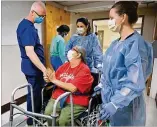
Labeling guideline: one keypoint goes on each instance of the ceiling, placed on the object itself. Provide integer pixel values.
(85, 6)
(92, 5)
(72, 3)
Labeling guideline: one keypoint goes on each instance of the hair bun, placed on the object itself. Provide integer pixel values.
(63, 28)
(135, 4)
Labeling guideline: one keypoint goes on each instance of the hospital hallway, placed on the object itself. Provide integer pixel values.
(151, 114)
(72, 45)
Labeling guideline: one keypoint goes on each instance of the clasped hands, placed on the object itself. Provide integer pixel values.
(49, 75)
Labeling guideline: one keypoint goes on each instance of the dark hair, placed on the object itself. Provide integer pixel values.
(63, 29)
(129, 8)
(96, 33)
(86, 23)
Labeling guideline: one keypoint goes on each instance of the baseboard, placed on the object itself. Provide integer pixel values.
(6, 107)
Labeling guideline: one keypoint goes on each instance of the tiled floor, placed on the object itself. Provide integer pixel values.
(151, 110)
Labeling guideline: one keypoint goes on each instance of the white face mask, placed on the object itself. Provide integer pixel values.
(80, 30)
(70, 54)
(112, 25)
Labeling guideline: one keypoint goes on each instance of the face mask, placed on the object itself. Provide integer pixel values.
(113, 27)
(38, 20)
(70, 55)
(80, 30)
(65, 34)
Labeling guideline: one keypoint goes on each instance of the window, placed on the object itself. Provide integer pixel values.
(106, 36)
(139, 24)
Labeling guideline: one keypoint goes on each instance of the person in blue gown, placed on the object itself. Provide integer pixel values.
(89, 42)
(127, 64)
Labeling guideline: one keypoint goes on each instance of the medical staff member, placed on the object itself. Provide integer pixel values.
(127, 64)
(89, 41)
(57, 49)
(32, 54)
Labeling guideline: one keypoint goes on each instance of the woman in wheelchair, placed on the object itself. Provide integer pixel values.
(73, 76)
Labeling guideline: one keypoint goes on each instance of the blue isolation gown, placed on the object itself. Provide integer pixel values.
(91, 44)
(126, 67)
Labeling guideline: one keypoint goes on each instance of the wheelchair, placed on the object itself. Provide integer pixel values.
(86, 118)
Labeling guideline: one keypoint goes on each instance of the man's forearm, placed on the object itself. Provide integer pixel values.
(67, 86)
(36, 61)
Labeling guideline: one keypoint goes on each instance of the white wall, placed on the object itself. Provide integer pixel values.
(153, 90)
(12, 13)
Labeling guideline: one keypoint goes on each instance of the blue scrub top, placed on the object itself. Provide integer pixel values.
(27, 35)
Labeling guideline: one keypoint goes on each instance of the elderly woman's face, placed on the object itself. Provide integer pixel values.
(72, 54)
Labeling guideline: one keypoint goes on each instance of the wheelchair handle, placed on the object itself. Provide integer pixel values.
(98, 92)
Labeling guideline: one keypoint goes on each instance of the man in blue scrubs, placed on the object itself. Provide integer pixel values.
(32, 54)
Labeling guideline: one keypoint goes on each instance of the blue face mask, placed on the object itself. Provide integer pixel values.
(38, 20)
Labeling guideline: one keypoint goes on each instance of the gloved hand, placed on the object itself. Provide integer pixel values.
(100, 69)
(97, 90)
(107, 111)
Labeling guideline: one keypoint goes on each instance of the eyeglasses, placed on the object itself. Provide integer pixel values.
(75, 49)
(43, 16)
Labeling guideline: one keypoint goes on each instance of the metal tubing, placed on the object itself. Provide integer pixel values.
(11, 116)
(99, 77)
(42, 102)
(42, 97)
(33, 119)
(12, 102)
(31, 113)
(32, 100)
(55, 106)
(16, 89)
(72, 110)
(89, 106)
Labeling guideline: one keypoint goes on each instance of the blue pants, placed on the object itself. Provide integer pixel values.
(37, 83)
(56, 62)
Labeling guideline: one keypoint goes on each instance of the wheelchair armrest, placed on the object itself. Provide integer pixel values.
(98, 92)
(58, 99)
(48, 86)
(71, 102)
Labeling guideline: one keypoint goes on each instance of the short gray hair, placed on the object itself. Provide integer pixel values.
(38, 3)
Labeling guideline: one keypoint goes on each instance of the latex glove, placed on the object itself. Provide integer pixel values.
(107, 111)
(100, 69)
